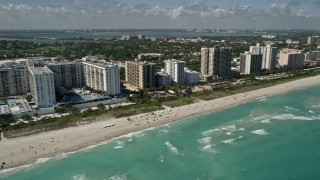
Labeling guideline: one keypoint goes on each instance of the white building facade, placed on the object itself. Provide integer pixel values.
(250, 63)
(191, 77)
(42, 88)
(269, 55)
(102, 77)
(175, 69)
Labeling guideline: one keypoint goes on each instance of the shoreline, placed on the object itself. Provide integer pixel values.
(24, 151)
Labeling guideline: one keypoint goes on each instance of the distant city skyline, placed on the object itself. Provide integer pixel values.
(164, 14)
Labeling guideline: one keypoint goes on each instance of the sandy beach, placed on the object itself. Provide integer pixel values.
(27, 150)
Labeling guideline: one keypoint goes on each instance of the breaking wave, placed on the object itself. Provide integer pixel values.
(119, 177)
(172, 148)
(260, 132)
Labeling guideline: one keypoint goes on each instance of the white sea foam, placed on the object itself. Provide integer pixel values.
(80, 177)
(119, 177)
(292, 117)
(229, 141)
(262, 99)
(172, 148)
(134, 135)
(310, 111)
(263, 117)
(42, 160)
(231, 128)
(291, 108)
(266, 121)
(209, 148)
(205, 140)
(260, 132)
(130, 140)
(118, 147)
(229, 133)
(121, 143)
(207, 133)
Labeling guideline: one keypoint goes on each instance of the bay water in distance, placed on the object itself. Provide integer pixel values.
(52, 36)
(268, 138)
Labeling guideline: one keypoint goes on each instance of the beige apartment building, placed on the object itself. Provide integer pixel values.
(140, 74)
(291, 59)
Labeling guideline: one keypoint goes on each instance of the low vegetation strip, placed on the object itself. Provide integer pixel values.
(76, 118)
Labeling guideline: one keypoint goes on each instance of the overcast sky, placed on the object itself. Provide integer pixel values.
(154, 14)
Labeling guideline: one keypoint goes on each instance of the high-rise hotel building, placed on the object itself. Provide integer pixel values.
(216, 62)
(140, 74)
(175, 69)
(102, 77)
(67, 75)
(13, 79)
(250, 63)
(41, 81)
(269, 55)
(291, 59)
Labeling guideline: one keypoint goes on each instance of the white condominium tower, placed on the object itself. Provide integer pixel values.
(216, 62)
(250, 63)
(175, 69)
(102, 77)
(41, 80)
(269, 55)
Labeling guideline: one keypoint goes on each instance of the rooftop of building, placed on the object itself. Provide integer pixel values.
(174, 60)
(100, 65)
(141, 62)
(290, 51)
(15, 106)
(61, 63)
(40, 70)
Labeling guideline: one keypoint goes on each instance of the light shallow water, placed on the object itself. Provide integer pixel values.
(274, 138)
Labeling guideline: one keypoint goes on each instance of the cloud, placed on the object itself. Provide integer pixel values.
(117, 14)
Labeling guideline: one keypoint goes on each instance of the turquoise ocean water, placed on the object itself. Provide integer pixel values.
(269, 138)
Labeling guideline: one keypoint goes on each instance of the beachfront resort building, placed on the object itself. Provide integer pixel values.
(216, 62)
(291, 59)
(175, 69)
(103, 77)
(140, 74)
(41, 81)
(67, 75)
(269, 55)
(250, 63)
(13, 79)
(191, 77)
(162, 79)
